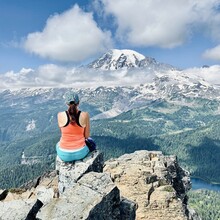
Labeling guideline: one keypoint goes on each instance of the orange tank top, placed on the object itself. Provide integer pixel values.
(72, 135)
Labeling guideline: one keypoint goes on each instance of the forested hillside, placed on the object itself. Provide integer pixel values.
(195, 142)
(206, 203)
(189, 146)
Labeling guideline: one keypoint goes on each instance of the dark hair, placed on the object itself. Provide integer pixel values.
(72, 110)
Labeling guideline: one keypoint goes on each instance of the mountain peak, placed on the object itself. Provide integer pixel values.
(126, 59)
(131, 54)
(117, 59)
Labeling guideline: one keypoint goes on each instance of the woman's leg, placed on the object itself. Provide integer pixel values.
(71, 156)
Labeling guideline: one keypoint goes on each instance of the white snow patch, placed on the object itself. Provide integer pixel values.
(108, 114)
(31, 125)
(152, 119)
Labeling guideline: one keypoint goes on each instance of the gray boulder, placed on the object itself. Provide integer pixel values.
(70, 173)
(94, 196)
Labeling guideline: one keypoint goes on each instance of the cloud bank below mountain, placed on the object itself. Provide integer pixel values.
(51, 75)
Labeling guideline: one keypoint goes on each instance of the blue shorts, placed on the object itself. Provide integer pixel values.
(68, 156)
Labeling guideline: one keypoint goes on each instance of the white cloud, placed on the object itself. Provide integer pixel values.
(211, 74)
(213, 53)
(70, 36)
(163, 23)
(52, 72)
(51, 75)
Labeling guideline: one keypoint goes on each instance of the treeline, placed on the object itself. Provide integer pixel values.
(113, 147)
(18, 175)
(206, 203)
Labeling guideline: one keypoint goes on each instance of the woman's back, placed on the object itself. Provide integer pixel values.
(72, 133)
(75, 129)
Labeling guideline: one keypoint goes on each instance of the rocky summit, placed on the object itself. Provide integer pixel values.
(153, 181)
(140, 185)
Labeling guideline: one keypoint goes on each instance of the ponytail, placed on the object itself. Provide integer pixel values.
(72, 110)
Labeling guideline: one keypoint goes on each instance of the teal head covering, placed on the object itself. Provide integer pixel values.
(71, 98)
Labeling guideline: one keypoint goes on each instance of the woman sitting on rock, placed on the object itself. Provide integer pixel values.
(75, 129)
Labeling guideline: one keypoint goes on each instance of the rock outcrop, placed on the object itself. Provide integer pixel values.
(141, 185)
(70, 173)
(155, 182)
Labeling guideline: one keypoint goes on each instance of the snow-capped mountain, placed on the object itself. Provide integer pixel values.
(167, 84)
(172, 86)
(117, 59)
(125, 59)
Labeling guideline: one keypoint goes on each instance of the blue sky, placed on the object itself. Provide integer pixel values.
(44, 34)
(18, 18)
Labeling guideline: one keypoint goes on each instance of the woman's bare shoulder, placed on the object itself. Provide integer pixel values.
(85, 114)
(84, 117)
